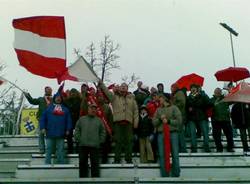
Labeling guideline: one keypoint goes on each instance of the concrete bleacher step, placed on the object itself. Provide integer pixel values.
(21, 140)
(129, 180)
(21, 162)
(17, 153)
(8, 166)
(35, 146)
(131, 170)
(19, 148)
(194, 158)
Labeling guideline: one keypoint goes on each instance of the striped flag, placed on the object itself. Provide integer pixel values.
(40, 45)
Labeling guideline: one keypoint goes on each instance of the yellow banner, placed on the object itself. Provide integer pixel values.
(29, 122)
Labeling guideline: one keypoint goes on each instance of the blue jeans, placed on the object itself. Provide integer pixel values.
(204, 129)
(41, 140)
(182, 141)
(175, 170)
(55, 144)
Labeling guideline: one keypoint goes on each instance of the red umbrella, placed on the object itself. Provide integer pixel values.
(187, 80)
(232, 74)
(240, 93)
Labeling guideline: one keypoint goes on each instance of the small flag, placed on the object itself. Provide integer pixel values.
(2, 81)
(79, 71)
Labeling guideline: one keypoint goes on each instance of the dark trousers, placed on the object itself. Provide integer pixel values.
(227, 129)
(70, 143)
(84, 151)
(123, 141)
(243, 136)
(154, 144)
(106, 149)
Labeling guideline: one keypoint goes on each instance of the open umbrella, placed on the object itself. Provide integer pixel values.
(232, 74)
(187, 80)
(240, 93)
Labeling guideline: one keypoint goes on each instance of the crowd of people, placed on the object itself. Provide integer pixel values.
(97, 121)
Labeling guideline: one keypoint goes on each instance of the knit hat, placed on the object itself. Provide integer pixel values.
(56, 95)
(144, 107)
(92, 105)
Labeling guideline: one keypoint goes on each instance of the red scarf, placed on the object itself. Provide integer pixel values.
(48, 100)
(152, 106)
(58, 110)
(167, 146)
(91, 99)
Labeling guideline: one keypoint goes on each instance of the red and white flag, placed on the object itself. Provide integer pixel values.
(40, 45)
(2, 81)
(79, 71)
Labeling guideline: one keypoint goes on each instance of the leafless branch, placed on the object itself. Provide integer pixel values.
(91, 54)
(130, 80)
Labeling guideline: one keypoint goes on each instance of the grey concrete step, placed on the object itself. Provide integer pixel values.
(8, 166)
(131, 170)
(36, 148)
(17, 153)
(38, 159)
(129, 180)
(19, 140)
(19, 148)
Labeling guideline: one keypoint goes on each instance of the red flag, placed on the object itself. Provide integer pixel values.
(1, 82)
(40, 45)
(167, 147)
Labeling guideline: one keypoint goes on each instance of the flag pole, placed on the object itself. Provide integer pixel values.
(22, 100)
(13, 84)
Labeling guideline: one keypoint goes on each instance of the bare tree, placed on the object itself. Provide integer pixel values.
(108, 56)
(77, 51)
(107, 59)
(9, 107)
(130, 80)
(91, 55)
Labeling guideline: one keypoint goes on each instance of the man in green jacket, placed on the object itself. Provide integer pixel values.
(43, 103)
(221, 121)
(90, 133)
(125, 117)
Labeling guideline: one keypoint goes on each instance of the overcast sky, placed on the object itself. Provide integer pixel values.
(161, 40)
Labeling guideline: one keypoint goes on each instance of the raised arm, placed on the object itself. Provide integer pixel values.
(105, 90)
(33, 101)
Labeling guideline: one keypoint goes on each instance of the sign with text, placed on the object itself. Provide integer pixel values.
(29, 122)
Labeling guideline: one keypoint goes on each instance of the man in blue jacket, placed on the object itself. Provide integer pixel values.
(55, 123)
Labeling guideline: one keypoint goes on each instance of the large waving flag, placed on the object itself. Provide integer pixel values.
(40, 45)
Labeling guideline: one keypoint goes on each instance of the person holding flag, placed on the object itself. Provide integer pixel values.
(106, 112)
(43, 103)
(168, 121)
(125, 117)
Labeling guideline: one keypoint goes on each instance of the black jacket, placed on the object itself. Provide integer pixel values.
(199, 104)
(145, 127)
(240, 115)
